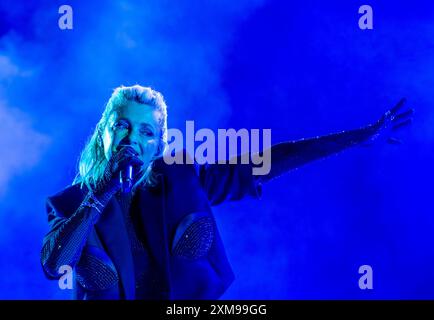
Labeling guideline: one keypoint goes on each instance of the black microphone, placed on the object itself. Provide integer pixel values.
(126, 179)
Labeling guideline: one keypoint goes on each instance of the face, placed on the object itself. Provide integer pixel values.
(136, 125)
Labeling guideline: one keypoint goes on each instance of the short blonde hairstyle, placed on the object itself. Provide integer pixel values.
(92, 162)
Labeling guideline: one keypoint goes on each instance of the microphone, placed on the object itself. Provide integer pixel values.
(126, 179)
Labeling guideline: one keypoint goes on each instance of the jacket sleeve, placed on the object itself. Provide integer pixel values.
(223, 182)
(287, 156)
(228, 182)
(64, 242)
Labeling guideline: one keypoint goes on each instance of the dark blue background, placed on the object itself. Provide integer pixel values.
(301, 69)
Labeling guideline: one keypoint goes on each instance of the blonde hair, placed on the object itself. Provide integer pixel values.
(92, 162)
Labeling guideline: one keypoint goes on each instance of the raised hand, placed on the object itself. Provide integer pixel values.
(394, 120)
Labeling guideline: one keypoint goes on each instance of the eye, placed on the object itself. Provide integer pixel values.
(121, 124)
(147, 132)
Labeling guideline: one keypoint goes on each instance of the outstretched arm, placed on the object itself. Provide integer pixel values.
(290, 155)
(235, 181)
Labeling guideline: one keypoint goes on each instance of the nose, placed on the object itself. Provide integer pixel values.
(128, 141)
(131, 139)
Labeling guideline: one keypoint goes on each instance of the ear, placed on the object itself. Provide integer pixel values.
(157, 154)
(160, 150)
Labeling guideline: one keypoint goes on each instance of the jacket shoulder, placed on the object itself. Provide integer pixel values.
(187, 168)
(68, 200)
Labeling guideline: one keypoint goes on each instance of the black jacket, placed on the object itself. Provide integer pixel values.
(178, 225)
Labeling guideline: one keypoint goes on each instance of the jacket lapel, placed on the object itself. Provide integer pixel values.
(112, 231)
(153, 216)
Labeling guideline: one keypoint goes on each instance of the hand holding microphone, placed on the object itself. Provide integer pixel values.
(120, 172)
(128, 165)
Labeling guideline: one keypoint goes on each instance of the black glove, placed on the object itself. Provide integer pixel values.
(387, 127)
(110, 183)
